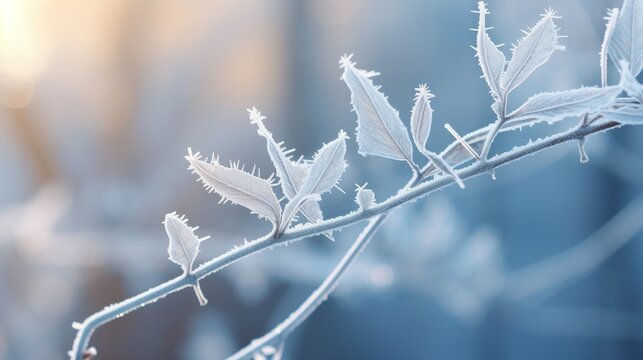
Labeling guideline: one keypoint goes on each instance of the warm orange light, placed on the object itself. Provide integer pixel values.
(23, 49)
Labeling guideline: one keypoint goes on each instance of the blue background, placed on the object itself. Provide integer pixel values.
(109, 94)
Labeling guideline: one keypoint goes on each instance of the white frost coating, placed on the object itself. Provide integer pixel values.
(465, 145)
(445, 167)
(610, 25)
(419, 186)
(239, 187)
(364, 198)
(380, 131)
(327, 167)
(291, 174)
(628, 82)
(627, 40)
(554, 106)
(184, 244)
(421, 117)
(630, 115)
(292, 208)
(533, 50)
(491, 59)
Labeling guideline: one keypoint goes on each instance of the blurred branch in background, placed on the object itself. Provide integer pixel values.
(98, 98)
(586, 255)
(581, 322)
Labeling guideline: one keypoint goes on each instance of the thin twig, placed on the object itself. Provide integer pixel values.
(87, 327)
(281, 331)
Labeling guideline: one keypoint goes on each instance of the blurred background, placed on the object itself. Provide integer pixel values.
(99, 100)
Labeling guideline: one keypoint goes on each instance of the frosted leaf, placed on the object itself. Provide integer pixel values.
(554, 106)
(629, 83)
(292, 208)
(291, 174)
(491, 59)
(327, 167)
(313, 213)
(421, 117)
(443, 166)
(627, 40)
(237, 186)
(364, 198)
(630, 115)
(610, 25)
(184, 244)
(380, 131)
(533, 50)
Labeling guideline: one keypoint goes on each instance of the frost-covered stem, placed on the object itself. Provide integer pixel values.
(492, 135)
(303, 231)
(111, 312)
(486, 147)
(581, 142)
(281, 331)
(415, 169)
(203, 301)
(320, 294)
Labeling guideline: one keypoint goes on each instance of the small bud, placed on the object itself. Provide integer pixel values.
(364, 198)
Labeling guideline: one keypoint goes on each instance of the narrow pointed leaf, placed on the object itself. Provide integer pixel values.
(554, 106)
(237, 186)
(313, 213)
(327, 167)
(421, 117)
(533, 50)
(380, 131)
(324, 173)
(629, 83)
(610, 25)
(294, 206)
(184, 244)
(491, 59)
(627, 40)
(291, 174)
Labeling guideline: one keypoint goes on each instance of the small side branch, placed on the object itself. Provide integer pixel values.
(300, 232)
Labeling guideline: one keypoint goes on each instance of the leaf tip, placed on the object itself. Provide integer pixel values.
(482, 8)
(422, 91)
(342, 135)
(345, 61)
(550, 13)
